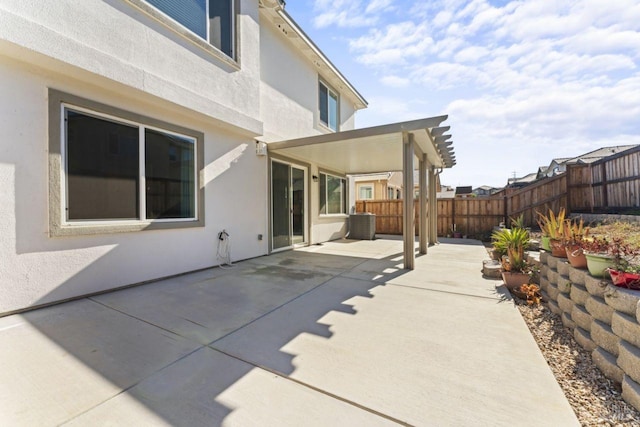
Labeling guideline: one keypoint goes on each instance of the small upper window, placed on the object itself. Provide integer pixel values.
(365, 192)
(328, 106)
(212, 20)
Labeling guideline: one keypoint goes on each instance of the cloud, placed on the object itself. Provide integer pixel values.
(528, 74)
(395, 81)
(350, 13)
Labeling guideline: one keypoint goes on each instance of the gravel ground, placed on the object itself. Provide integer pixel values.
(596, 400)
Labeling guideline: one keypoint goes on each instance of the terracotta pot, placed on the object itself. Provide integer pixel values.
(557, 249)
(624, 279)
(576, 257)
(598, 264)
(514, 280)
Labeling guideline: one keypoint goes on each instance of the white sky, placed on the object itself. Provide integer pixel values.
(523, 82)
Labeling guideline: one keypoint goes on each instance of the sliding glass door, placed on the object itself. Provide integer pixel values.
(288, 202)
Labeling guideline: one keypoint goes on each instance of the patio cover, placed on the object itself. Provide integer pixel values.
(386, 148)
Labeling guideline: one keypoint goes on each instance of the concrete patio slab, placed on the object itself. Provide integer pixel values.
(418, 356)
(208, 388)
(60, 361)
(336, 334)
(209, 309)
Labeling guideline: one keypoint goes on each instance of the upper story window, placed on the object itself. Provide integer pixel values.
(212, 20)
(328, 101)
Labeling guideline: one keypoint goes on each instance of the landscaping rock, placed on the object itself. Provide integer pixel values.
(552, 261)
(631, 392)
(564, 285)
(596, 400)
(565, 303)
(491, 269)
(624, 300)
(581, 317)
(599, 309)
(562, 267)
(544, 269)
(579, 294)
(604, 337)
(607, 364)
(544, 283)
(567, 321)
(553, 275)
(629, 360)
(544, 257)
(553, 307)
(595, 286)
(584, 339)
(626, 328)
(577, 276)
(553, 291)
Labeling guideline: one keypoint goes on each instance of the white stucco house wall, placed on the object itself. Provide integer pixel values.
(132, 134)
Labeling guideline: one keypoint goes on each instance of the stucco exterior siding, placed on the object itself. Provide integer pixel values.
(121, 55)
(115, 40)
(37, 269)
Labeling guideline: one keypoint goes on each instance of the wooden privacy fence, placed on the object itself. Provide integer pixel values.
(607, 185)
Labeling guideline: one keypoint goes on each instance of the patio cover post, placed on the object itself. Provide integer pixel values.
(408, 222)
(423, 227)
(433, 207)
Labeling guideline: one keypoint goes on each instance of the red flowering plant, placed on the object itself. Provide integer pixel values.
(626, 259)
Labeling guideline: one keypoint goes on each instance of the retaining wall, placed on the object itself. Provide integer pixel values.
(605, 320)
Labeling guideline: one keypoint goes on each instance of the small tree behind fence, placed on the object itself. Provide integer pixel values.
(610, 184)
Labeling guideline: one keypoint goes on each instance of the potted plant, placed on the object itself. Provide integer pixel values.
(552, 227)
(515, 268)
(626, 265)
(503, 237)
(574, 234)
(600, 254)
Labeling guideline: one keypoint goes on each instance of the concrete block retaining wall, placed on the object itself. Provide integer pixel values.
(605, 320)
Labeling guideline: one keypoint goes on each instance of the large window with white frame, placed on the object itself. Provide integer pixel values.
(333, 194)
(211, 20)
(328, 104)
(114, 171)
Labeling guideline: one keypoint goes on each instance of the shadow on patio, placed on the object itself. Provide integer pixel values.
(326, 335)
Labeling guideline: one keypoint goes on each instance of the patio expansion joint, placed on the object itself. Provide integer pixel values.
(443, 292)
(272, 310)
(124, 390)
(314, 388)
(142, 320)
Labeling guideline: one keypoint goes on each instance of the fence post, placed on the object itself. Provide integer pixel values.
(605, 195)
(506, 210)
(568, 174)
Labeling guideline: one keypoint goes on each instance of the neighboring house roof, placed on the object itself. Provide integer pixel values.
(464, 190)
(372, 176)
(308, 48)
(446, 194)
(599, 154)
(522, 181)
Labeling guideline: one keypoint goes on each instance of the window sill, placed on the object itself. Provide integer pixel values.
(80, 229)
(325, 128)
(183, 32)
(333, 216)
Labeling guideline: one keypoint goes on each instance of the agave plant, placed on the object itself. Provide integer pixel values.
(506, 238)
(574, 232)
(552, 225)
